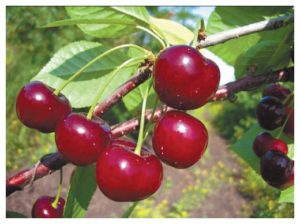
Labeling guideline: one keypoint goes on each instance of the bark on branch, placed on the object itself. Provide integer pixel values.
(221, 37)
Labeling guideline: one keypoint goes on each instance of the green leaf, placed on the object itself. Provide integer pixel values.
(132, 15)
(68, 22)
(82, 90)
(271, 44)
(12, 214)
(174, 32)
(82, 187)
(133, 100)
(287, 195)
(243, 147)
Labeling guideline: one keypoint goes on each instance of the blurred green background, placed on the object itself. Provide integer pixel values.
(29, 48)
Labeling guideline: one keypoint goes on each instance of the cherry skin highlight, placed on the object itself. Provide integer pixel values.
(179, 139)
(123, 175)
(37, 107)
(183, 78)
(43, 208)
(265, 142)
(80, 140)
(276, 168)
(270, 113)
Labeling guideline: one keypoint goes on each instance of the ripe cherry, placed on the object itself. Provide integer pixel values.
(123, 175)
(276, 90)
(179, 139)
(265, 142)
(183, 78)
(270, 113)
(276, 168)
(39, 108)
(289, 126)
(43, 208)
(80, 140)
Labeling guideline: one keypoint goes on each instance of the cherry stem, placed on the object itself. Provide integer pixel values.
(159, 33)
(129, 211)
(288, 116)
(56, 200)
(153, 35)
(59, 89)
(139, 144)
(131, 61)
(151, 117)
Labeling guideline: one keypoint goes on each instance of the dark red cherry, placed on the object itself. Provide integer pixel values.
(276, 90)
(290, 181)
(276, 168)
(179, 139)
(183, 78)
(270, 113)
(37, 107)
(80, 140)
(123, 175)
(289, 126)
(43, 208)
(265, 142)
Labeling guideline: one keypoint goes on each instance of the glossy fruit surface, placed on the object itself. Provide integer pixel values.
(80, 140)
(179, 139)
(43, 208)
(265, 142)
(289, 126)
(276, 168)
(123, 175)
(270, 113)
(277, 91)
(37, 107)
(183, 78)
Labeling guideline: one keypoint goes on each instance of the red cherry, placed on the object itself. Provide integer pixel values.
(122, 175)
(43, 208)
(179, 139)
(80, 140)
(265, 142)
(276, 169)
(289, 126)
(37, 107)
(276, 90)
(183, 78)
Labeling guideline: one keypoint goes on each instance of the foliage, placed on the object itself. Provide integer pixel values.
(260, 52)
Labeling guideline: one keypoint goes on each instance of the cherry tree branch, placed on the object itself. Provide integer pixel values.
(141, 76)
(221, 37)
(55, 161)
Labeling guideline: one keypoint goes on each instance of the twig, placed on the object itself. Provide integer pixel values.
(221, 37)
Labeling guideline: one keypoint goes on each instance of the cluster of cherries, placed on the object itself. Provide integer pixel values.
(183, 80)
(274, 111)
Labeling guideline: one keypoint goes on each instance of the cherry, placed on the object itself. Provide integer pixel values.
(270, 113)
(183, 78)
(179, 139)
(123, 175)
(276, 168)
(276, 90)
(289, 126)
(80, 140)
(37, 107)
(265, 142)
(43, 208)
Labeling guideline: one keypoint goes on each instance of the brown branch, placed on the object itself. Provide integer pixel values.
(55, 161)
(142, 75)
(221, 37)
